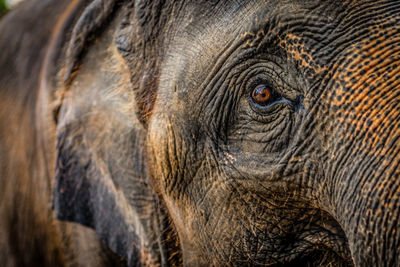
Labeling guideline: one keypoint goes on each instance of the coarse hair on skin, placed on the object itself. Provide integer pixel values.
(140, 41)
(96, 14)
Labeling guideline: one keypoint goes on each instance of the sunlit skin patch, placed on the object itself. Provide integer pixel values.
(364, 108)
(367, 89)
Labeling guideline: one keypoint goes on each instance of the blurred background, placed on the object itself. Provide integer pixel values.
(6, 4)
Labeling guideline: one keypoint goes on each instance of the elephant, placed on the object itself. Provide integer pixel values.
(200, 133)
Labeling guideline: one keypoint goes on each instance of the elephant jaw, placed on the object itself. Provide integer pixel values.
(371, 222)
(366, 204)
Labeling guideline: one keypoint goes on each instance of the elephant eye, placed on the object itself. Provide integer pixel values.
(264, 95)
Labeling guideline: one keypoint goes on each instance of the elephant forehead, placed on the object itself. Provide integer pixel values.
(308, 33)
(216, 41)
(198, 44)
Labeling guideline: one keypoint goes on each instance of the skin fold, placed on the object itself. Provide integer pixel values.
(200, 133)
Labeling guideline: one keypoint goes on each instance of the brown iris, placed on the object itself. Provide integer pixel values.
(262, 94)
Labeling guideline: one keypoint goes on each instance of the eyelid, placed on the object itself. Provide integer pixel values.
(266, 114)
(264, 109)
(270, 73)
(279, 100)
(264, 75)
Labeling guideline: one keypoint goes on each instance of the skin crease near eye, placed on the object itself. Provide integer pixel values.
(264, 96)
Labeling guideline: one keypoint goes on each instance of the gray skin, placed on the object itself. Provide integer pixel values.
(139, 120)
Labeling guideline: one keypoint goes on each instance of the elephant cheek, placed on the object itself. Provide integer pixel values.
(162, 151)
(158, 151)
(370, 216)
(366, 112)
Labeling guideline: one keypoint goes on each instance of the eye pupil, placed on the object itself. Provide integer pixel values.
(262, 94)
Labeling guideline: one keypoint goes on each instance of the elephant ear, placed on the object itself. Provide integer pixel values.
(101, 178)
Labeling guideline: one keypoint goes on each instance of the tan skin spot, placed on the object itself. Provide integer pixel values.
(292, 44)
(300, 53)
(253, 39)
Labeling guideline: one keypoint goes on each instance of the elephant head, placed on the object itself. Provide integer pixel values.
(229, 132)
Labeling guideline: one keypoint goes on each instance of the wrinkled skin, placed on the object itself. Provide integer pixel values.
(138, 119)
